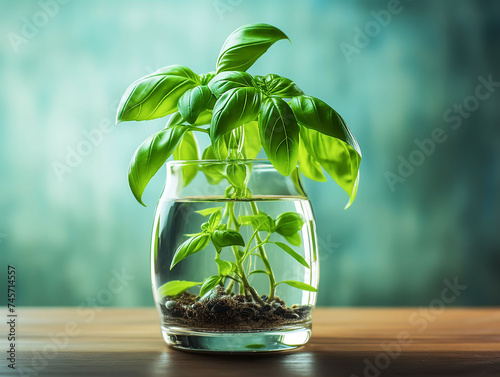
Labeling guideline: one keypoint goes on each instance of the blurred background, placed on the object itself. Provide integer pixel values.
(418, 82)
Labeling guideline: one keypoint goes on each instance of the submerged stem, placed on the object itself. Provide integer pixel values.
(241, 271)
(263, 256)
(230, 286)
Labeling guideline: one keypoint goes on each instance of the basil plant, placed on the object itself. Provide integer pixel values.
(241, 114)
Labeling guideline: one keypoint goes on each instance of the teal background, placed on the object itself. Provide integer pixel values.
(66, 234)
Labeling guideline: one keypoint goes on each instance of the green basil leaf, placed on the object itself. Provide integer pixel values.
(234, 266)
(308, 165)
(259, 81)
(207, 77)
(251, 141)
(221, 147)
(338, 158)
(214, 219)
(294, 239)
(203, 119)
(208, 153)
(245, 45)
(208, 211)
(258, 222)
(214, 173)
(175, 119)
(279, 135)
(156, 95)
(237, 175)
(270, 221)
(233, 109)
(225, 81)
(258, 272)
(278, 86)
(228, 237)
(187, 150)
(299, 285)
(288, 224)
(150, 156)
(224, 267)
(190, 246)
(193, 102)
(209, 284)
(174, 287)
(315, 114)
(293, 253)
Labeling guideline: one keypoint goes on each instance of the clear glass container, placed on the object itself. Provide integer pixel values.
(234, 257)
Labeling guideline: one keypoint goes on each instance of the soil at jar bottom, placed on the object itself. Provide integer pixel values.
(220, 311)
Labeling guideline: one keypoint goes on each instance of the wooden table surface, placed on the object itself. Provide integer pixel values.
(345, 342)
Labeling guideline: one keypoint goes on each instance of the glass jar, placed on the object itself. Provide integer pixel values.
(234, 258)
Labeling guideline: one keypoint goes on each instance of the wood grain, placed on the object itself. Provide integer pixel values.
(345, 342)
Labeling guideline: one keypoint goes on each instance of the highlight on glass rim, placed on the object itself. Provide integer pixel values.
(240, 256)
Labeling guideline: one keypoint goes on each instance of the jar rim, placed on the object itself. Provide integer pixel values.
(288, 186)
(223, 162)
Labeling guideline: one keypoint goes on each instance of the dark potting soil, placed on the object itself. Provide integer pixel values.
(219, 311)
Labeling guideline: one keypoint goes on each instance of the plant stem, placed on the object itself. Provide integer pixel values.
(261, 244)
(198, 129)
(241, 270)
(246, 252)
(230, 286)
(246, 284)
(263, 256)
